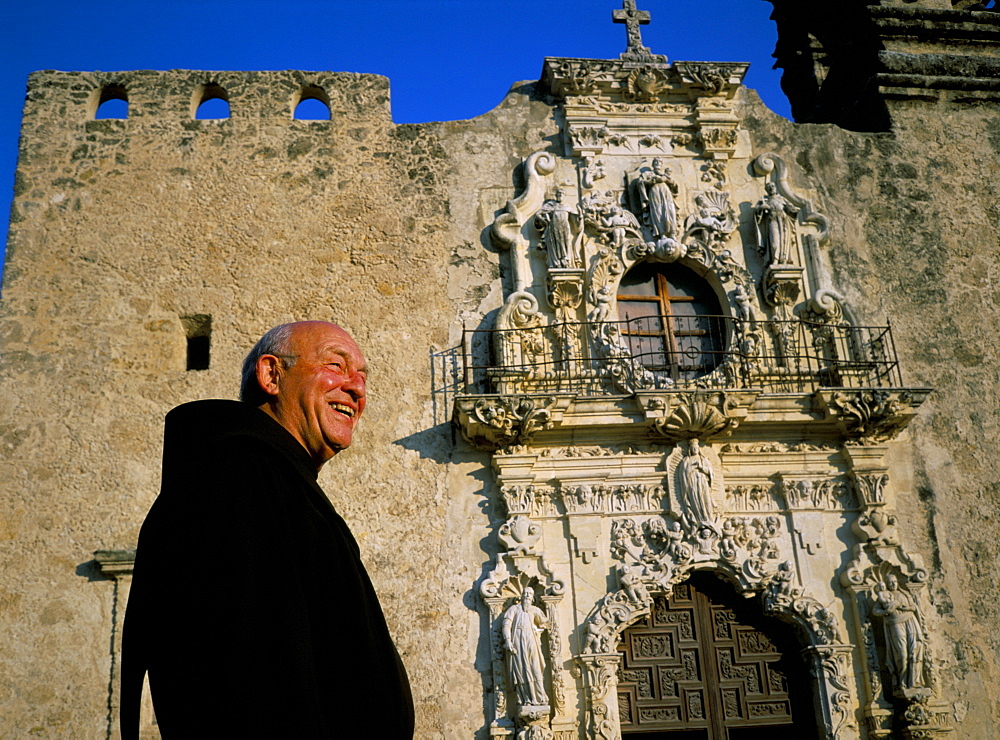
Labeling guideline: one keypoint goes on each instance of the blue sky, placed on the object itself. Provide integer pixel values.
(445, 59)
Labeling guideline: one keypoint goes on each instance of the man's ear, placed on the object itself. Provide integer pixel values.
(269, 374)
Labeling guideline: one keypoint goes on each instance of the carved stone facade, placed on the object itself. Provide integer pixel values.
(772, 432)
(747, 467)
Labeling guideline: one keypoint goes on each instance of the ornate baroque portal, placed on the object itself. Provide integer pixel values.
(742, 425)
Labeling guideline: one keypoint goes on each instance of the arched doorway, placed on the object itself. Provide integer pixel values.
(707, 665)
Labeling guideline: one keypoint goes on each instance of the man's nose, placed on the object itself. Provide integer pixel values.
(355, 385)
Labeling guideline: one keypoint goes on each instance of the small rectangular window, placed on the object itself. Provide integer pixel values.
(198, 331)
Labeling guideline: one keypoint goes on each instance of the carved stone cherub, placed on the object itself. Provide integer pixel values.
(714, 220)
(618, 222)
(595, 640)
(744, 302)
(631, 581)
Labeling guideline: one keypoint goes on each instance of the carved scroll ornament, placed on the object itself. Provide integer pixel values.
(498, 422)
(871, 416)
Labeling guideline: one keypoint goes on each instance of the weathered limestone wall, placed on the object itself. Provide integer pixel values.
(121, 228)
(915, 226)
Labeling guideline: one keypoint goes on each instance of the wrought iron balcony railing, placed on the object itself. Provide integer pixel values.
(674, 352)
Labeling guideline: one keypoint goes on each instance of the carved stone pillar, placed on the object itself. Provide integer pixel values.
(117, 565)
(500, 724)
(781, 286)
(565, 294)
(600, 681)
(830, 665)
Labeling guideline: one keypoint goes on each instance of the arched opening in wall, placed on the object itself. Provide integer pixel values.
(211, 102)
(112, 102)
(706, 664)
(672, 320)
(313, 104)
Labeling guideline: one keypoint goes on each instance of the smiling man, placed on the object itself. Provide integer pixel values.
(250, 607)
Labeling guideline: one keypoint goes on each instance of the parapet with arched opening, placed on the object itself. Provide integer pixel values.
(304, 111)
(203, 96)
(109, 98)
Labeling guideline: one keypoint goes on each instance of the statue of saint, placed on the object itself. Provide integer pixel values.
(656, 190)
(904, 637)
(774, 217)
(554, 221)
(695, 478)
(523, 624)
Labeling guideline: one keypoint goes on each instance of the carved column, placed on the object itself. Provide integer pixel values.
(117, 565)
(600, 673)
(500, 724)
(565, 294)
(830, 665)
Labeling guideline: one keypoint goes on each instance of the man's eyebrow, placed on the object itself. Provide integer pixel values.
(346, 356)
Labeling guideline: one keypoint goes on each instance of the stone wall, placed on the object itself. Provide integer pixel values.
(121, 228)
(916, 240)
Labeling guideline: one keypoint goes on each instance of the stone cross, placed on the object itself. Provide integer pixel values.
(632, 19)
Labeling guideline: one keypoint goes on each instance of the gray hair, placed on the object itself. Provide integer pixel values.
(276, 342)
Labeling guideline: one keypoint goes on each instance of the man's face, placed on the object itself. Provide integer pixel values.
(321, 397)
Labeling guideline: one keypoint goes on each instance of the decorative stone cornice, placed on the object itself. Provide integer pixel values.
(714, 77)
(498, 422)
(871, 416)
(645, 82)
(115, 563)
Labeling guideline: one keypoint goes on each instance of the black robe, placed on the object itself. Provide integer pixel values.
(250, 607)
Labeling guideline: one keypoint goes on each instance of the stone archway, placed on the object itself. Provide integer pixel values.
(706, 663)
(796, 622)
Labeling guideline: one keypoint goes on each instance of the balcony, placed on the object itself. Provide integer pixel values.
(667, 378)
(675, 353)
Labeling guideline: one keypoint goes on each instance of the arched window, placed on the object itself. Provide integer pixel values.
(111, 103)
(707, 664)
(313, 104)
(212, 102)
(672, 320)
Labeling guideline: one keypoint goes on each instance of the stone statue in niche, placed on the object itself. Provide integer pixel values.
(654, 193)
(774, 217)
(695, 478)
(555, 221)
(523, 624)
(904, 637)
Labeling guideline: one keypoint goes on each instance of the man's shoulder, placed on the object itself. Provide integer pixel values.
(234, 431)
(212, 413)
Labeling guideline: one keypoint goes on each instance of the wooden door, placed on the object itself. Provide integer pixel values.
(706, 665)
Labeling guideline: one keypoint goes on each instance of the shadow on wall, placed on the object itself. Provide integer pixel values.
(436, 443)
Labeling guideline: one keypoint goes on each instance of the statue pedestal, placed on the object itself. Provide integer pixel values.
(533, 712)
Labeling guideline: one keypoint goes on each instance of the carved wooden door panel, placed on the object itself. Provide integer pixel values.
(698, 667)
